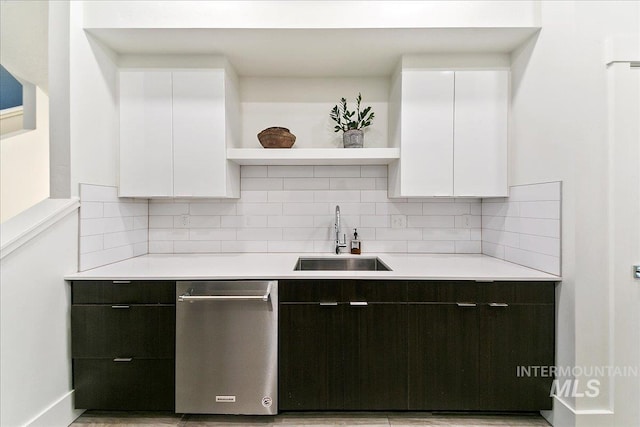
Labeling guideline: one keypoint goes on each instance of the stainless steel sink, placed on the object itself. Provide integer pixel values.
(341, 264)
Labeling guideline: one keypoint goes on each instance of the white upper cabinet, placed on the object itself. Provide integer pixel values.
(146, 145)
(451, 127)
(480, 133)
(174, 130)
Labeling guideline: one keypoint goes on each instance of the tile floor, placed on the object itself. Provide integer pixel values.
(395, 419)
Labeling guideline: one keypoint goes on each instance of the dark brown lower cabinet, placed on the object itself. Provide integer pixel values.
(137, 384)
(345, 351)
(510, 337)
(123, 345)
(467, 340)
(423, 345)
(444, 357)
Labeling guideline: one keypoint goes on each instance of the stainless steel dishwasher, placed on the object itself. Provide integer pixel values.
(227, 347)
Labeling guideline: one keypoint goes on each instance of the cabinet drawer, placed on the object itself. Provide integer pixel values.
(118, 331)
(444, 292)
(123, 291)
(374, 290)
(310, 290)
(134, 385)
(517, 292)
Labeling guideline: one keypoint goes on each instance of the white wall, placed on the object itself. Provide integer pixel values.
(559, 132)
(24, 164)
(35, 349)
(94, 123)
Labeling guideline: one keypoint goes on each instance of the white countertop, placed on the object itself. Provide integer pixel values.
(280, 266)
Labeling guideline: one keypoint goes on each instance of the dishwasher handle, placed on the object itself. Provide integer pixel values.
(191, 298)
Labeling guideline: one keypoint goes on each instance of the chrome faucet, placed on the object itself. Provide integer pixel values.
(339, 243)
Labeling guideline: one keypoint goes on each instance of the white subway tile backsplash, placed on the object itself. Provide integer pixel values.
(306, 184)
(290, 246)
(336, 196)
(550, 210)
(374, 171)
(168, 234)
(450, 234)
(197, 221)
(261, 184)
(396, 208)
(468, 247)
(450, 208)
(238, 246)
(212, 234)
(290, 171)
(167, 208)
(244, 221)
(290, 221)
(161, 221)
(259, 234)
(111, 229)
(398, 234)
(255, 171)
(254, 196)
(161, 247)
(92, 210)
(259, 209)
(192, 247)
(431, 247)
(290, 196)
(291, 208)
(525, 228)
(210, 208)
(352, 183)
(337, 171)
(435, 221)
(91, 243)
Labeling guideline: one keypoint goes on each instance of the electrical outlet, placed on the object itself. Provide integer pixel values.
(184, 220)
(398, 221)
(466, 220)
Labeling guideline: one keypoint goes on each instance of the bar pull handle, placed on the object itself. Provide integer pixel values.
(191, 298)
(121, 306)
(358, 303)
(123, 359)
(121, 282)
(498, 304)
(328, 304)
(466, 304)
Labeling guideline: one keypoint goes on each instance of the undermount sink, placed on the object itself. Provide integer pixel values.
(341, 264)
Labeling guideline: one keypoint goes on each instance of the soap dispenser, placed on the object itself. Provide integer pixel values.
(355, 243)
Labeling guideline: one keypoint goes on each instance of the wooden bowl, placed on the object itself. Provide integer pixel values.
(276, 137)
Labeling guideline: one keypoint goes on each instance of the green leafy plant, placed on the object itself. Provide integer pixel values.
(349, 120)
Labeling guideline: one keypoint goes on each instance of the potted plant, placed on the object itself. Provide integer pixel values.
(351, 122)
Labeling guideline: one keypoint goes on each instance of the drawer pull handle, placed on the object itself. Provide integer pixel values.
(120, 306)
(328, 304)
(466, 304)
(121, 282)
(358, 303)
(498, 304)
(123, 359)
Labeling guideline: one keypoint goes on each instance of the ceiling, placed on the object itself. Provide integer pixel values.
(313, 52)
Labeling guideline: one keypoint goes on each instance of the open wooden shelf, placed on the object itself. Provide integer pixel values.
(313, 156)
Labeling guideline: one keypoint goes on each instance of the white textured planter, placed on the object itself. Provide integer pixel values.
(353, 138)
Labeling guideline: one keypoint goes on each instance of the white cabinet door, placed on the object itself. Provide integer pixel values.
(480, 135)
(199, 146)
(146, 159)
(426, 151)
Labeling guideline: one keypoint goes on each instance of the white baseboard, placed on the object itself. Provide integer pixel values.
(563, 415)
(60, 413)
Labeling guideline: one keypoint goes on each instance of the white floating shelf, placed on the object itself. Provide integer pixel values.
(313, 156)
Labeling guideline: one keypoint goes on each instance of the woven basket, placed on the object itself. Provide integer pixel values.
(276, 137)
